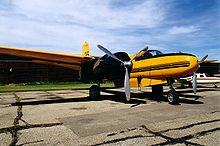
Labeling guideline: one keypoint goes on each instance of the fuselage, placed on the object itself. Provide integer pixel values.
(155, 68)
(167, 65)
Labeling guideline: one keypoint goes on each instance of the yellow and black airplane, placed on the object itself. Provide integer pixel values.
(146, 68)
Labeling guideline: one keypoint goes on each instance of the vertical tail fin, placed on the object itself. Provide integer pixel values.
(85, 49)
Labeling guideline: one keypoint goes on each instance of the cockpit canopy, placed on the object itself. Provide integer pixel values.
(149, 54)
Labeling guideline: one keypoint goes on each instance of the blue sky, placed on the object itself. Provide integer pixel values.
(191, 26)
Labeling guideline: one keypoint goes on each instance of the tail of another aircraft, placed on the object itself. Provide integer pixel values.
(85, 50)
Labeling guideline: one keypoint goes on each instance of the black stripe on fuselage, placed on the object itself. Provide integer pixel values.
(162, 66)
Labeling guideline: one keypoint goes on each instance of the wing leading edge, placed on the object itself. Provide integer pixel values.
(58, 59)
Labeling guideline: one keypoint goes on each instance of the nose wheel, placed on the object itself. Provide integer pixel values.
(172, 95)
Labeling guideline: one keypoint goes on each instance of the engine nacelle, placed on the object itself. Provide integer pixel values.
(86, 73)
(108, 68)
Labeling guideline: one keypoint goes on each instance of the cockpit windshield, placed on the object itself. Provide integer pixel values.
(155, 52)
(149, 54)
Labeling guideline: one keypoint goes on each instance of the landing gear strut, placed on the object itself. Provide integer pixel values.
(172, 95)
(157, 91)
(94, 92)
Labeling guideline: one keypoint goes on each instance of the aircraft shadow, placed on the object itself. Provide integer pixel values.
(51, 101)
(211, 88)
(149, 96)
(117, 96)
(198, 90)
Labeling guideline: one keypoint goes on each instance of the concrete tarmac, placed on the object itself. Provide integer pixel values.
(70, 117)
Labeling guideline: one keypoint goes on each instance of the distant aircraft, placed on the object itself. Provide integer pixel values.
(146, 68)
(201, 78)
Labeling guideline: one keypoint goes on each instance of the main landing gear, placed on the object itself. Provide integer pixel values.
(157, 91)
(94, 92)
(172, 95)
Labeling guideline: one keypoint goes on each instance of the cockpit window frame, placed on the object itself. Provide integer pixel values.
(149, 54)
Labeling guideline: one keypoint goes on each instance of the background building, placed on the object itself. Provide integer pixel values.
(19, 70)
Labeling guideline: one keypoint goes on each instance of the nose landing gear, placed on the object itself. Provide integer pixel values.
(172, 95)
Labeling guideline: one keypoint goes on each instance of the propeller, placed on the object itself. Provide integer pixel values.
(194, 83)
(126, 64)
(203, 59)
(109, 53)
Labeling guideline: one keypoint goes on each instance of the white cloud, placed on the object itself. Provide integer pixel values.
(213, 53)
(93, 13)
(183, 29)
(63, 26)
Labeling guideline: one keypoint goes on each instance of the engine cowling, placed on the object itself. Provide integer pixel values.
(109, 68)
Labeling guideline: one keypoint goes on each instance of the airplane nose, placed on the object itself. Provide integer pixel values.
(194, 64)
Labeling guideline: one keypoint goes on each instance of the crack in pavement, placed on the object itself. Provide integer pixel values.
(169, 140)
(14, 129)
(191, 125)
(183, 139)
(120, 139)
(123, 131)
(23, 127)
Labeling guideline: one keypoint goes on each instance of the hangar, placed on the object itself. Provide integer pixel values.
(15, 69)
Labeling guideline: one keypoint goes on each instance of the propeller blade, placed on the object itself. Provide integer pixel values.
(194, 83)
(127, 85)
(204, 58)
(126, 64)
(140, 53)
(108, 53)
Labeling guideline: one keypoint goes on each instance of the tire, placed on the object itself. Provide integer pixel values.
(173, 97)
(94, 92)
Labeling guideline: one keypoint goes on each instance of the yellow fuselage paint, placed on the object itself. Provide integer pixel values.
(156, 70)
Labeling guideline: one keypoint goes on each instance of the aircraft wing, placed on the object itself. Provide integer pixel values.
(64, 60)
(209, 61)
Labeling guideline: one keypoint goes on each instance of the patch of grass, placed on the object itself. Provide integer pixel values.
(48, 86)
